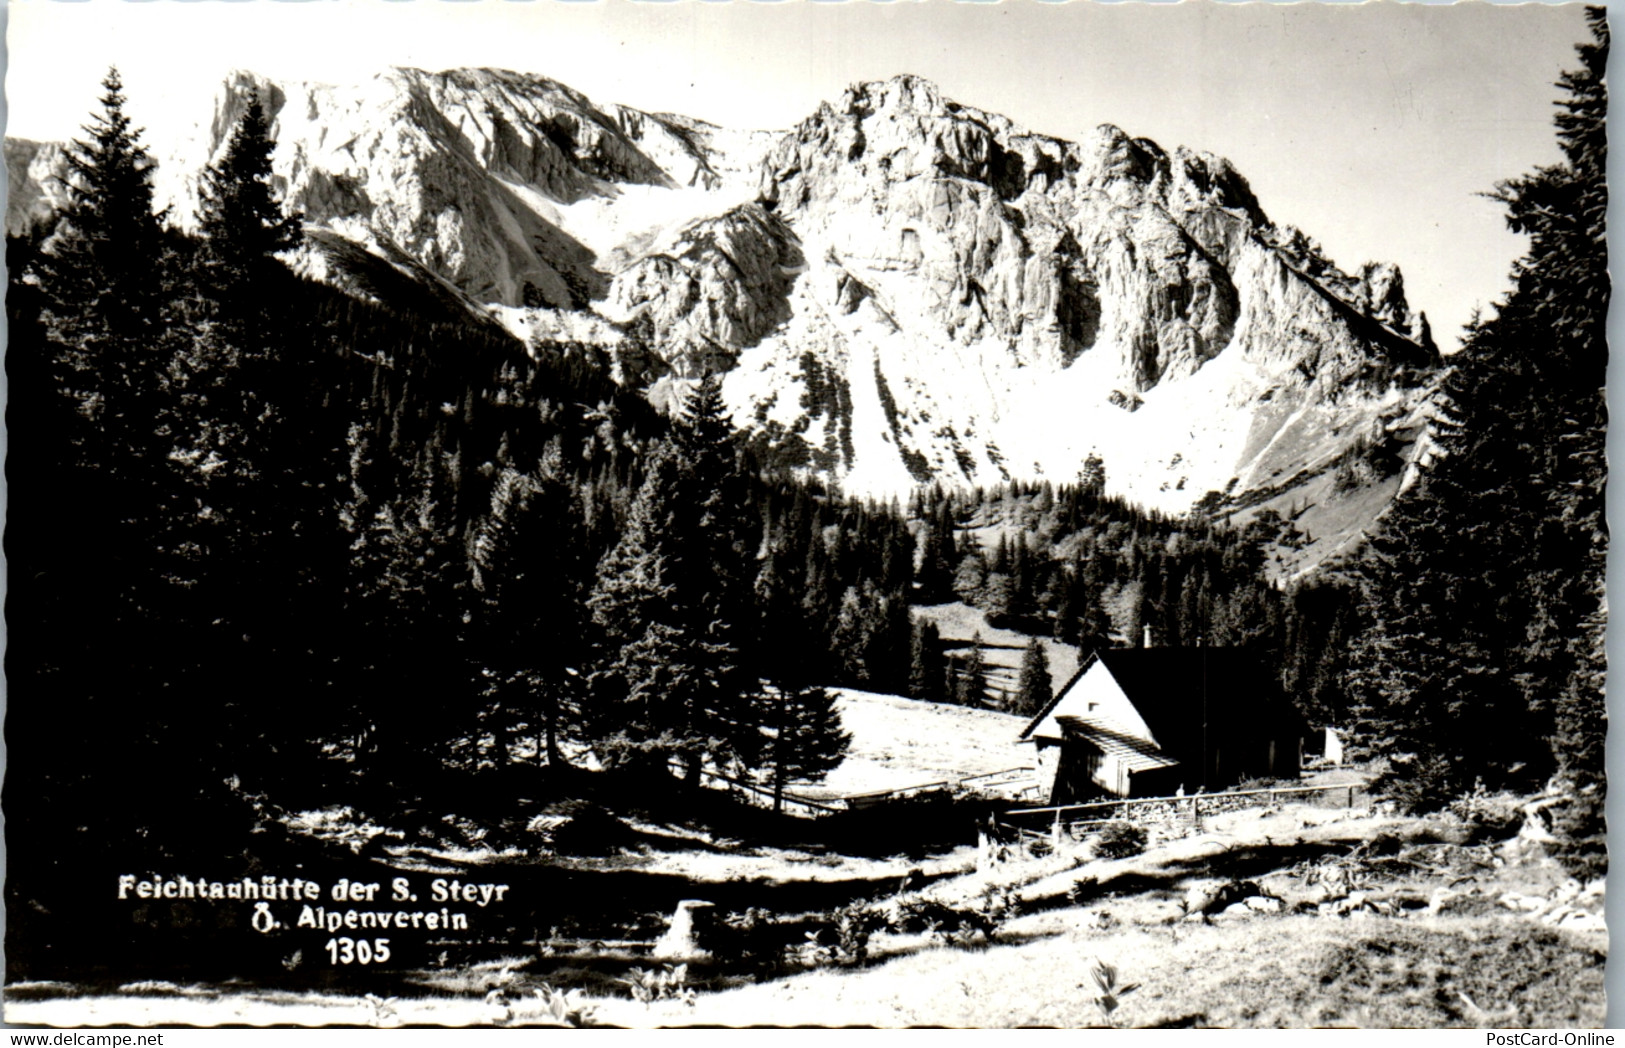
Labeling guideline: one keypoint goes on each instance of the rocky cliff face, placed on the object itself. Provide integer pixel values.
(900, 289)
(1002, 304)
(469, 173)
(33, 172)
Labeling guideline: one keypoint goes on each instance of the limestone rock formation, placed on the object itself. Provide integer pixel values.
(1003, 304)
(33, 172)
(900, 289)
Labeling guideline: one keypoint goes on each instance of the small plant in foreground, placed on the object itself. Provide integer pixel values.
(659, 984)
(383, 1010)
(845, 939)
(749, 939)
(1111, 994)
(566, 1008)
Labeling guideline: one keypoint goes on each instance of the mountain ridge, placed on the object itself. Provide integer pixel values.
(900, 288)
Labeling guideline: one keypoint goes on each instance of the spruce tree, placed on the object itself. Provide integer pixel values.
(530, 615)
(113, 567)
(927, 666)
(714, 547)
(806, 740)
(674, 603)
(849, 640)
(404, 610)
(1033, 691)
(102, 260)
(938, 557)
(243, 407)
(239, 213)
(103, 272)
(103, 275)
(784, 627)
(971, 689)
(635, 717)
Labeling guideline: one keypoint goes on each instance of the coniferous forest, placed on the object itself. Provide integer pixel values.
(268, 539)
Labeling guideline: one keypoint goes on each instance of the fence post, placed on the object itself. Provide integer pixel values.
(1351, 795)
(1055, 835)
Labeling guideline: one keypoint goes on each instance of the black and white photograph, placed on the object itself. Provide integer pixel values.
(661, 513)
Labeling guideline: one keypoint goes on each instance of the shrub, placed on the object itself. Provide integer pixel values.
(1495, 815)
(997, 905)
(1119, 840)
(1582, 830)
(579, 827)
(1419, 784)
(746, 939)
(843, 937)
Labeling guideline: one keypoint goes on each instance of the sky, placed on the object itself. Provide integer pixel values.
(1373, 127)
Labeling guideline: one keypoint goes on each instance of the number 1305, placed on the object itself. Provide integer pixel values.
(346, 950)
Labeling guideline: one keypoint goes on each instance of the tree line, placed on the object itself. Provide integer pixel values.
(1073, 564)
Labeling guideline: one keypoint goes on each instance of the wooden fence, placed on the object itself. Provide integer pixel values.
(762, 796)
(796, 804)
(1189, 807)
(986, 780)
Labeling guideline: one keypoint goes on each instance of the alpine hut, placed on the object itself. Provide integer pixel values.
(1149, 722)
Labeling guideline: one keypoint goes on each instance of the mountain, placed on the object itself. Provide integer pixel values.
(993, 302)
(32, 173)
(900, 289)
